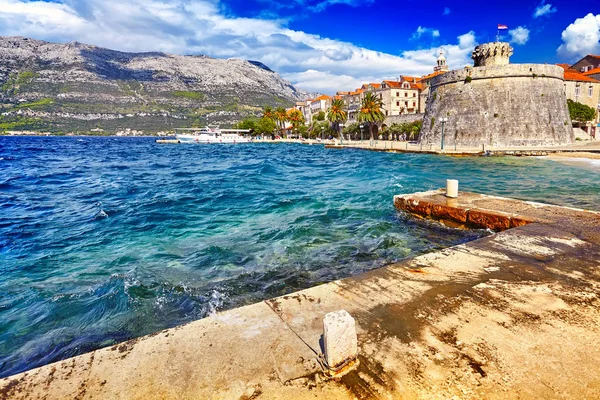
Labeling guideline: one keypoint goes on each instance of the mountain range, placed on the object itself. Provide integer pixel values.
(78, 87)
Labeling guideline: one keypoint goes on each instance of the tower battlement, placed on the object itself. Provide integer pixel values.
(495, 53)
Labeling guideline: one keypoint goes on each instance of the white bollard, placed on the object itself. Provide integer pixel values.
(339, 339)
(452, 188)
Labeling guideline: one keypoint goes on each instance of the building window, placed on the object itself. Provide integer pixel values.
(576, 90)
(590, 91)
(406, 104)
(397, 94)
(414, 94)
(414, 104)
(405, 94)
(397, 104)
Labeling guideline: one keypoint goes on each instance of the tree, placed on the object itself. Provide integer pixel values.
(320, 116)
(296, 118)
(336, 114)
(351, 130)
(268, 112)
(321, 128)
(280, 117)
(580, 112)
(248, 123)
(370, 111)
(265, 126)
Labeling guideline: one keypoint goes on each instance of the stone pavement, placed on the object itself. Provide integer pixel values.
(515, 314)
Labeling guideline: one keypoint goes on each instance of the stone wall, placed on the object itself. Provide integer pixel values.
(402, 119)
(499, 106)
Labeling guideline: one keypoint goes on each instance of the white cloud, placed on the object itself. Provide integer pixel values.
(543, 9)
(580, 38)
(519, 35)
(311, 62)
(446, 11)
(421, 30)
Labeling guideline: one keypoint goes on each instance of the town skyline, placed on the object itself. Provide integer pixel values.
(316, 45)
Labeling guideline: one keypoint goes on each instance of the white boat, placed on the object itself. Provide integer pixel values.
(211, 134)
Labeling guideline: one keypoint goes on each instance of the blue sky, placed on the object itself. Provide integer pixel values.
(319, 45)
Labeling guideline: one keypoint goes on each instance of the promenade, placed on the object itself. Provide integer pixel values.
(413, 147)
(511, 315)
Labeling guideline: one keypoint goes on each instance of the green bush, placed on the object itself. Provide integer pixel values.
(580, 112)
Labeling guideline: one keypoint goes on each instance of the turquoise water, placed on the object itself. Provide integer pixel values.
(105, 239)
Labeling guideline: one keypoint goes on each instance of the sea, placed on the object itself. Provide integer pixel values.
(103, 239)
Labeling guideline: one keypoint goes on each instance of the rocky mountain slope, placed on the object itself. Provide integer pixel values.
(79, 87)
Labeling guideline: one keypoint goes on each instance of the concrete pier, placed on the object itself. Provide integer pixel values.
(512, 315)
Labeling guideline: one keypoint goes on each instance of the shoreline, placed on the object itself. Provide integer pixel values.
(489, 318)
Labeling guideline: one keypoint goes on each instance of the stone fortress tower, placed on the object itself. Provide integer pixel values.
(497, 104)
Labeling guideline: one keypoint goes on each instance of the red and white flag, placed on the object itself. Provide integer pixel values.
(502, 26)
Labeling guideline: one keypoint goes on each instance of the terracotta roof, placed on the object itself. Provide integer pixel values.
(565, 66)
(434, 74)
(398, 85)
(375, 85)
(392, 84)
(574, 75)
(408, 78)
(571, 75)
(323, 97)
(338, 97)
(592, 72)
(342, 93)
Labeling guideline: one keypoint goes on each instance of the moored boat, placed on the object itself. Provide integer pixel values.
(211, 134)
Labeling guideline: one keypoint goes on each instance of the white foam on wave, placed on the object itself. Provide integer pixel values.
(101, 214)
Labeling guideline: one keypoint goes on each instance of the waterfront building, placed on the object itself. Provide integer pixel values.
(583, 89)
(321, 103)
(353, 101)
(400, 97)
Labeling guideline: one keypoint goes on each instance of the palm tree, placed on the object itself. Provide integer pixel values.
(280, 116)
(268, 112)
(370, 111)
(336, 114)
(296, 118)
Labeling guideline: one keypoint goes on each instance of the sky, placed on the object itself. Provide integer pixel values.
(318, 45)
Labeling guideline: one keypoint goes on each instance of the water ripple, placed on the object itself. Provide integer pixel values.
(105, 239)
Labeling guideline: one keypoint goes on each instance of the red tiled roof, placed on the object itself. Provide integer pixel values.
(592, 72)
(398, 85)
(393, 84)
(323, 97)
(375, 85)
(408, 78)
(565, 66)
(573, 75)
(434, 74)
